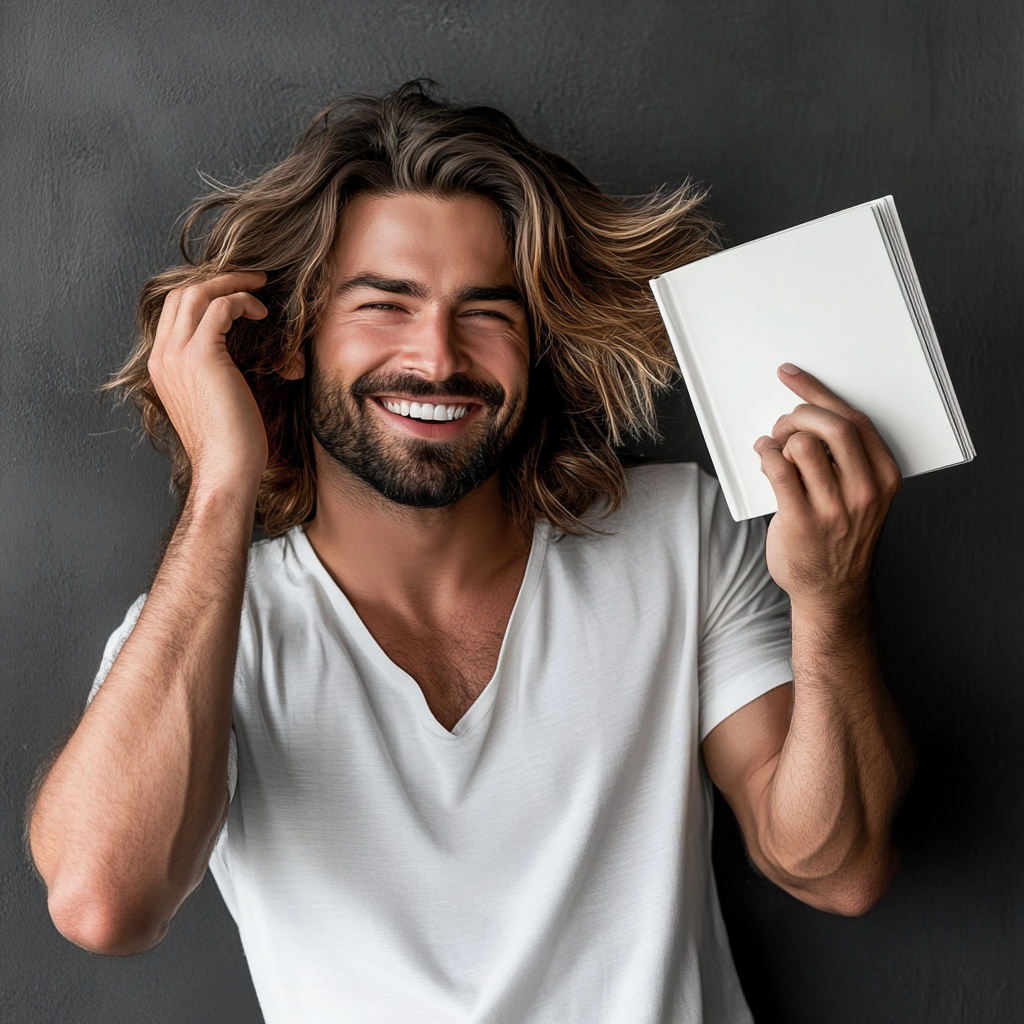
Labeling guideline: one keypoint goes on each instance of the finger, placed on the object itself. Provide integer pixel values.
(809, 388)
(191, 302)
(165, 324)
(169, 310)
(207, 341)
(783, 476)
(841, 436)
(817, 474)
(223, 311)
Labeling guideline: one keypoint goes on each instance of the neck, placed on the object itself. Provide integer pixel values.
(412, 557)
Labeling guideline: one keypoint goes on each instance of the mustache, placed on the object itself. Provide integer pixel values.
(457, 385)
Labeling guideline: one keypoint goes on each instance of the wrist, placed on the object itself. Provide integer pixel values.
(222, 499)
(835, 613)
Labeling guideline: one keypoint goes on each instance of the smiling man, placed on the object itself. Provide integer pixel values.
(446, 737)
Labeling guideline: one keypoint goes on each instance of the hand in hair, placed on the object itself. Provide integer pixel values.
(125, 821)
(202, 390)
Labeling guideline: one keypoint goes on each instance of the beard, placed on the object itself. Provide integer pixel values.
(408, 470)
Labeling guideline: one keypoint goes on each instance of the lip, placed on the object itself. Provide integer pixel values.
(438, 430)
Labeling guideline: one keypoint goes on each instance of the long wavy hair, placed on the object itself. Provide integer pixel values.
(582, 260)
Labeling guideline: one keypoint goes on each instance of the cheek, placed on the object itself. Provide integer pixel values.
(508, 362)
(350, 351)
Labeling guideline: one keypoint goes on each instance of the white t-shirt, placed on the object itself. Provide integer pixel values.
(548, 860)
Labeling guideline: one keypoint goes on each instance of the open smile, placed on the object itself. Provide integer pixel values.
(431, 412)
(432, 420)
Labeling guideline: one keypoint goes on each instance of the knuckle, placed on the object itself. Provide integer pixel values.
(804, 444)
(847, 430)
(868, 496)
(186, 293)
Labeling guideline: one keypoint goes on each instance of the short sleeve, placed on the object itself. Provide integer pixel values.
(113, 649)
(115, 643)
(745, 642)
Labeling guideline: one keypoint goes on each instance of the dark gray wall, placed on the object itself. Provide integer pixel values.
(789, 109)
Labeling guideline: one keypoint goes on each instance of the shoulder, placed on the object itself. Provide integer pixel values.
(674, 515)
(669, 496)
(276, 559)
(662, 522)
(277, 571)
(271, 553)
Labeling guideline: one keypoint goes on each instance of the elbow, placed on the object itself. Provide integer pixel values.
(102, 923)
(850, 891)
(94, 905)
(871, 884)
(856, 899)
(863, 882)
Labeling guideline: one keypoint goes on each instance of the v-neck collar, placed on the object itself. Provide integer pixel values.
(357, 630)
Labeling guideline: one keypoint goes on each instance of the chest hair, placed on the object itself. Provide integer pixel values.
(452, 659)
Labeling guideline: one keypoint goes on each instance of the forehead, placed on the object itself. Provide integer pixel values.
(440, 241)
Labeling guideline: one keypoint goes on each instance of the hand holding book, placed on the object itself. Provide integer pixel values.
(834, 478)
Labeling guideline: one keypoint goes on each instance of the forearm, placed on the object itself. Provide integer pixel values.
(126, 820)
(823, 829)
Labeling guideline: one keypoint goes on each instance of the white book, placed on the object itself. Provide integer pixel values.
(838, 297)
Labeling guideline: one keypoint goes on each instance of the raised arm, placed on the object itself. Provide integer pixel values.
(125, 822)
(814, 772)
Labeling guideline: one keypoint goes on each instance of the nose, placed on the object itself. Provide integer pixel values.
(433, 350)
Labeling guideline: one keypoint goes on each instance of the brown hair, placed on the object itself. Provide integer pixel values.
(582, 259)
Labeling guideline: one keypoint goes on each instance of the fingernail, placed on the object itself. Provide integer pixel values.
(789, 368)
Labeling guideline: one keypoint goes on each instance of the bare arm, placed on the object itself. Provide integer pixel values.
(814, 771)
(127, 818)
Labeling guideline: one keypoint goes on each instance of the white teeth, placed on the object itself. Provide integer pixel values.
(436, 413)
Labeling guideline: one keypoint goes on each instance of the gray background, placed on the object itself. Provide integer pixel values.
(789, 110)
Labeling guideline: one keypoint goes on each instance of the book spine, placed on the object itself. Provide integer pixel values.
(702, 405)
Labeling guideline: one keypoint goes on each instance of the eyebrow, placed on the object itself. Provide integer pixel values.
(382, 284)
(502, 293)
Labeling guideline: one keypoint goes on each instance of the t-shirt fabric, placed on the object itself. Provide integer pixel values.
(548, 860)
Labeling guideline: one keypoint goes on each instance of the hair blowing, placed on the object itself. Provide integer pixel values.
(582, 260)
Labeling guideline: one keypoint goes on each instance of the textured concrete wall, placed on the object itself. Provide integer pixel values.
(789, 109)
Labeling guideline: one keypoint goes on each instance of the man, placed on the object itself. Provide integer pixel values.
(465, 696)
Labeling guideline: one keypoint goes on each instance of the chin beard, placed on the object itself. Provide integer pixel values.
(411, 471)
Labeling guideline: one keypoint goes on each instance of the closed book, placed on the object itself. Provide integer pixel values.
(840, 298)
